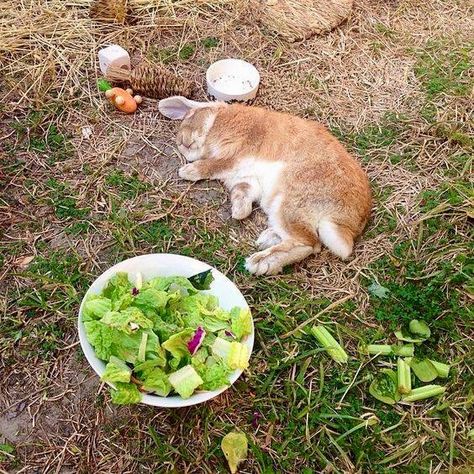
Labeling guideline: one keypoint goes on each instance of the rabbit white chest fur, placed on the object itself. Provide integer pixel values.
(312, 190)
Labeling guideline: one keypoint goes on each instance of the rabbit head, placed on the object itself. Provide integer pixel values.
(198, 119)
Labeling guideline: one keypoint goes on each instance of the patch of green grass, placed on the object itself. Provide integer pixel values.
(374, 137)
(170, 54)
(38, 133)
(385, 30)
(6, 449)
(155, 232)
(429, 294)
(162, 55)
(60, 268)
(444, 68)
(128, 185)
(210, 42)
(64, 202)
(186, 51)
(454, 134)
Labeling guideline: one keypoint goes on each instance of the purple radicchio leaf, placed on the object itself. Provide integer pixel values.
(135, 291)
(195, 343)
(229, 334)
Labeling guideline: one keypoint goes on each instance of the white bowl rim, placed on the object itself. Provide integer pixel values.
(229, 61)
(155, 400)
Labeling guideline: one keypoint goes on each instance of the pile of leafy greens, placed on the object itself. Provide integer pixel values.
(165, 336)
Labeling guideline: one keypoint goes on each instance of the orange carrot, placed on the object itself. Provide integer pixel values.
(122, 100)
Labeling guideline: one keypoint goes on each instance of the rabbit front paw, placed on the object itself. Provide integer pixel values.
(190, 172)
(263, 263)
(267, 239)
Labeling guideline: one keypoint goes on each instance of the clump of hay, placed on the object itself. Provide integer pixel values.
(296, 20)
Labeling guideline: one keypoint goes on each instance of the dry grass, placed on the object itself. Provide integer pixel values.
(84, 186)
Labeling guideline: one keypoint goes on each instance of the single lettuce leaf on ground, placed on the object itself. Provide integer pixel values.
(116, 371)
(241, 322)
(95, 307)
(419, 328)
(442, 369)
(384, 387)
(125, 394)
(424, 369)
(128, 320)
(157, 381)
(100, 337)
(407, 337)
(185, 381)
(378, 290)
(234, 445)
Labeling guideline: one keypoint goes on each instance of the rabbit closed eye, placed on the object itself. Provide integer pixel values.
(312, 190)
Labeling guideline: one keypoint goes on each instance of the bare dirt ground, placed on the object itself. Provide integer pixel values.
(394, 82)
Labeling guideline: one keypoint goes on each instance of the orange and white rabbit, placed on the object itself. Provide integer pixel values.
(312, 190)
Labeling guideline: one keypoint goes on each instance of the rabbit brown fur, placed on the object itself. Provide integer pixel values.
(312, 190)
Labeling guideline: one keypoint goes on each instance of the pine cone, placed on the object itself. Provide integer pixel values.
(158, 83)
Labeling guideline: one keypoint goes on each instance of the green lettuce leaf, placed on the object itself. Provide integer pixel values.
(241, 322)
(420, 328)
(117, 286)
(234, 445)
(424, 369)
(385, 387)
(125, 394)
(151, 299)
(144, 368)
(95, 307)
(164, 329)
(164, 284)
(127, 346)
(157, 381)
(177, 344)
(116, 371)
(100, 337)
(185, 381)
(234, 354)
(128, 320)
(215, 375)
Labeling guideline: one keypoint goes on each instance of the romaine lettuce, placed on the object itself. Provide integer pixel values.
(116, 371)
(185, 381)
(162, 336)
(125, 394)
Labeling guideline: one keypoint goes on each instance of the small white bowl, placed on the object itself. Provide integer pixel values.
(232, 80)
(151, 266)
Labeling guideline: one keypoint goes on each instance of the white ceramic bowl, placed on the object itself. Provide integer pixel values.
(232, 80)
(151, 266)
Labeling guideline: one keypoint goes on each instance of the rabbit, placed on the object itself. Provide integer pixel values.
(312, 190)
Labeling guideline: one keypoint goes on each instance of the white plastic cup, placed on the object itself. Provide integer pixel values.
(232, 80)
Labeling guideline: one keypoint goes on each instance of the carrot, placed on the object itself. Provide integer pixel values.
(121, 99)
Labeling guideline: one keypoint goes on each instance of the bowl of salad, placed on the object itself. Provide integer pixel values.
(165, 330)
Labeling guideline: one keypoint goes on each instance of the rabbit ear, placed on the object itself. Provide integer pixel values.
(176, 108)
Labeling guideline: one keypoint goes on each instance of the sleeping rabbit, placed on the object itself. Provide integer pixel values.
(312, 190)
